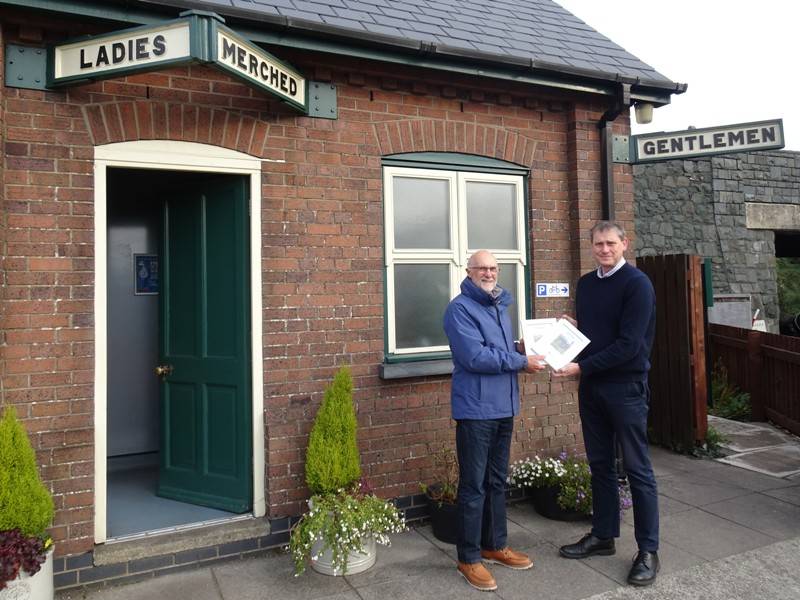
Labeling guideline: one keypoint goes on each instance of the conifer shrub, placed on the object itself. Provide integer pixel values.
(26, 507)
(25, 503)
(332, 459)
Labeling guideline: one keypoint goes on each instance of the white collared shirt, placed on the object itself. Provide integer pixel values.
(616, 268)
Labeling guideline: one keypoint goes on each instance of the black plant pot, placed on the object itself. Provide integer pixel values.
(444, 520)
(545, 501)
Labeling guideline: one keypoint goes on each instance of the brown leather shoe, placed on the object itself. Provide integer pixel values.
(477, 576)
(507, 557)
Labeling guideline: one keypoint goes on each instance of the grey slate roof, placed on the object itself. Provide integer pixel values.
(508, 30)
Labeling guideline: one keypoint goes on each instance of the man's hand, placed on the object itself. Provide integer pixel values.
(568, 370)
(535, 363)
(572, 321)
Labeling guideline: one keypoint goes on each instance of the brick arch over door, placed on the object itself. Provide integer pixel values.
(146, 120)
(420, 135)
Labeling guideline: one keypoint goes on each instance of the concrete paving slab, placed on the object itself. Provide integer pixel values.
(559, 532)
(768, 515)
(616, 567)
(742, 437)
(709, 536)
(551, 578)
(778, 461)
(197, 585)
(788, 494)
(697, 489)
(666, 506)
(272, 577)
(746, 478)
(771, 572)
(410, 554)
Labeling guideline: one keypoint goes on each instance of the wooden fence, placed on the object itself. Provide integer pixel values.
(678, 382)
(765, 365)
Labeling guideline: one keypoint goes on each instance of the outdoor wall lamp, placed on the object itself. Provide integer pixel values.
(644, 112)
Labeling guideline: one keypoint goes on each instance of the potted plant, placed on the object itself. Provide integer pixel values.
(561, 488)
(442, 494)
(338, 533)
(26, 511)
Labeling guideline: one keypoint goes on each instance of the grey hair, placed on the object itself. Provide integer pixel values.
(605, 226)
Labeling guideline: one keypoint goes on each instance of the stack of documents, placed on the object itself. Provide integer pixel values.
(558, 340)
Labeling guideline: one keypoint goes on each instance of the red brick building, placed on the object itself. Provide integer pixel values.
(165, 206)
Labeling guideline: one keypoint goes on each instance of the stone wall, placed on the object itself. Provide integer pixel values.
(726, 208)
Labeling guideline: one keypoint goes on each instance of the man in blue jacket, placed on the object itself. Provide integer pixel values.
(616, 310)
(484, 400)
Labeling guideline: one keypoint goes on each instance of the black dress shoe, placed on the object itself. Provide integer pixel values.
(645, 568)
(588, 545)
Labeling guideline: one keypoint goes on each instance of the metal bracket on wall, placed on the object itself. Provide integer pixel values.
(621, 149)
(26, 67)
(322, 100)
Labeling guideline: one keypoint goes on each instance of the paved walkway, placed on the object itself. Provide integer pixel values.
(727, 533)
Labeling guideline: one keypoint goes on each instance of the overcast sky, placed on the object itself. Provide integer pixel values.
(740, 58)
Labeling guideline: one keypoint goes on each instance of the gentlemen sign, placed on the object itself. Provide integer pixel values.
(726, 139)
(199, 37)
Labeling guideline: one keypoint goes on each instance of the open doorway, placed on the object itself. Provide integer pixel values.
(179, 448)
(787, 264)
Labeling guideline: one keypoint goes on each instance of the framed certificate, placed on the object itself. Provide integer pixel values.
(560, 344)
(532, 330)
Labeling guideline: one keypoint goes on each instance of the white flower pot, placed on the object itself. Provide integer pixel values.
(357, 562)
(32, 587)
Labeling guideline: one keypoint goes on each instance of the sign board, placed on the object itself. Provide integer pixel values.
(691, 143)
(122, 51)
(552, 290)
(732, 309)
(197, 37)
(259, 68)
(145, 269)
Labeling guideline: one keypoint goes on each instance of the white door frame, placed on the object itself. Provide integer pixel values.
(172, 156)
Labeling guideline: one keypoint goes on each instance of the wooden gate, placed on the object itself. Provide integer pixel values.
(678, 382)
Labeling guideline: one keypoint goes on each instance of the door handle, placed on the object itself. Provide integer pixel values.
(164, 370)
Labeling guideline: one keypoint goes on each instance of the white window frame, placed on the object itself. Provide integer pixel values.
(458, 254)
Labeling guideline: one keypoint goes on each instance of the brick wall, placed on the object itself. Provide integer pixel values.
(322, 235)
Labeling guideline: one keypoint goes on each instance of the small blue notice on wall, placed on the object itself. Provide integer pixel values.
(145, 267)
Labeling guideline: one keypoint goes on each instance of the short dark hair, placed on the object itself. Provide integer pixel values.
(605, 226)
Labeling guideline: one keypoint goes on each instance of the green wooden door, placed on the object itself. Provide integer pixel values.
(206, 455)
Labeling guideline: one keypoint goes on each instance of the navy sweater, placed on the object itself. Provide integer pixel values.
(618, 315)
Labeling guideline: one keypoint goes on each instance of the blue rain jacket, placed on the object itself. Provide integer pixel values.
(485, 360)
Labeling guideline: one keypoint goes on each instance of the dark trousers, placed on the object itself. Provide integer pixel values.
(483, 448)
(608, 409)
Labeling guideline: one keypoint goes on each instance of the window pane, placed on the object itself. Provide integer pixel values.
(507, 279)
(421, 293)
(421, 213)
(491, 215)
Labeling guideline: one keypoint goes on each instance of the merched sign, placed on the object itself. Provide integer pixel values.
(197, 37)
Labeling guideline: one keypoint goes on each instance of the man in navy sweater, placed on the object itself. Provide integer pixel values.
(616, 310)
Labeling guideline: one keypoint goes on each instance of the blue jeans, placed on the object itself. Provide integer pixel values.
(608, 409)
(483, 448)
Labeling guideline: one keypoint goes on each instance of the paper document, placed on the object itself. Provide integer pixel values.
(556, 339)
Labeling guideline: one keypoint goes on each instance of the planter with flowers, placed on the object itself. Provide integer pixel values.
(345, 519)
(561, 488)
(26, 511)
(442, 494)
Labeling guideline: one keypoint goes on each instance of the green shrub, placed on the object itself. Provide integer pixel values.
(25, 503)
(332, 460)
(727, 400)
